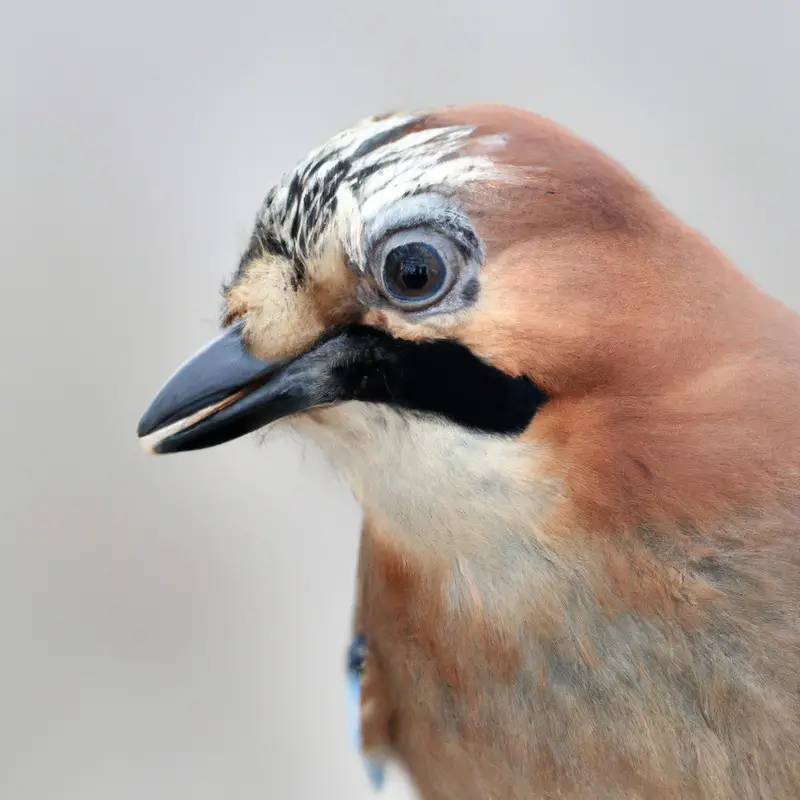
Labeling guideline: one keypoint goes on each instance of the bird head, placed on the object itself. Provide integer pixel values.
(472, 304)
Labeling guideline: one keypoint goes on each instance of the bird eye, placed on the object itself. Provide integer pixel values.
(414, 271)
(416, 267)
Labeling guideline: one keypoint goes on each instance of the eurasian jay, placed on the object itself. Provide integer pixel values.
(572, 425)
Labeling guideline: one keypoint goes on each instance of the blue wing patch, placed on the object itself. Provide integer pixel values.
(355, 670)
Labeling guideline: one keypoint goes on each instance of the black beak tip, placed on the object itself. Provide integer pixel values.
(159, 448)
(145, 426)
(158, 413)
(219, 369)
(144, 431)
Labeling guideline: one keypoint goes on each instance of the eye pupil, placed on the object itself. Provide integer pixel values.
(414, 275)
(413, 271)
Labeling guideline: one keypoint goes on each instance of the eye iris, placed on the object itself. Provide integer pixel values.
(413, 270)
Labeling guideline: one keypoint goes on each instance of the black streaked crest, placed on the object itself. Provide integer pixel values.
(368, 166)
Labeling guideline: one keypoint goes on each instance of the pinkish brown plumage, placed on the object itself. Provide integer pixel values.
(571, 424)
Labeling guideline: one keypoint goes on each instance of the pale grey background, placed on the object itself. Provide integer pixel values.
(175, 628)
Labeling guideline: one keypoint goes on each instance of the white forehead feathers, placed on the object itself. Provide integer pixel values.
(349, 182)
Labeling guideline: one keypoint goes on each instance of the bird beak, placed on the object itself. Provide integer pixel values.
(222, 393)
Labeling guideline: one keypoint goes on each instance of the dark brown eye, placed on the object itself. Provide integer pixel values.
(413, 272)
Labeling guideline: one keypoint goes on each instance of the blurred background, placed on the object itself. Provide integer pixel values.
(175, 628)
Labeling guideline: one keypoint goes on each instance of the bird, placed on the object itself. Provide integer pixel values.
(571, 423)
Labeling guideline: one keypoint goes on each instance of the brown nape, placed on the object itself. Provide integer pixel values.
(574, 184)
(674, 378)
